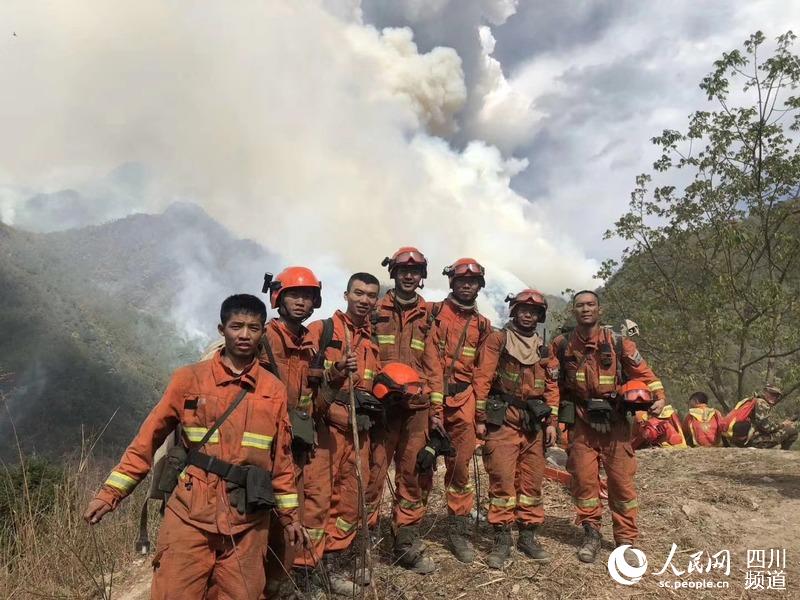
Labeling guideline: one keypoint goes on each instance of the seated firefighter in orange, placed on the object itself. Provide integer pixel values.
(703, 425)
(663, 429)
(516, 391)
(232, 471)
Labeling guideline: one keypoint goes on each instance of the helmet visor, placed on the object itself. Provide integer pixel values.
(468, 269)
(638, 396)
(410, 258)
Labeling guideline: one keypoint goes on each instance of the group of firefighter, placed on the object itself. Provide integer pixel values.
(286, 431)
(749, 424)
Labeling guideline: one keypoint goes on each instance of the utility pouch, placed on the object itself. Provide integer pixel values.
(258, 490)
(302, 430)
(174, 464)
(599, 410)
(566, 412)
(539, 411)
(495, 411)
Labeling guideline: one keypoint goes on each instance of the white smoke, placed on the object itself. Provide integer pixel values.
(298, 126)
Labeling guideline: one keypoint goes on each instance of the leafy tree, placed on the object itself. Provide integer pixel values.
(712, 270)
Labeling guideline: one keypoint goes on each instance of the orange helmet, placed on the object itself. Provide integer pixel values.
(636, 395)
(465, 267)
(407, 255)
(293, 277)
(531, 297)
(397, 377)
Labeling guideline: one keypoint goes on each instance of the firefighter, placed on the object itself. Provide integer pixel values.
(593, 361)
(287, 350)
(751, 422)
(703, 425)
(331, 510)
(400, 324)
(457, 334)
(516, 391)
(213, 538)
(399, 388)
(663, 430)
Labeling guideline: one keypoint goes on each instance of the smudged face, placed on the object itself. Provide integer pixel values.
(298, 303)
(361, 298)
(407, 279)
(465, 289)
(586, 309)
(242, 333)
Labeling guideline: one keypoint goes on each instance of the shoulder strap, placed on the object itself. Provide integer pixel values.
(617, 339)
(273, 365)
(326, 337)
(224, 416)
(436, 308)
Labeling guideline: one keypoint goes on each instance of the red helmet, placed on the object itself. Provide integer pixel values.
(295, 277)
(531, 297)
(397, 377)
(465, 267)
(636, 395)
(407, 255)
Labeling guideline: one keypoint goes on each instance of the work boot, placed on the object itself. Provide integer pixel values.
(529, 545)
(334, 578)
(590, 546)
(458, 538)
(408, 551)
(629, 556)
(501, 550)
(308, 582)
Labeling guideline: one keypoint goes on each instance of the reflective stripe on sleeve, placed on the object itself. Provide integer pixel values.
(580, 376)
(480, 404)
(386, 339)
(368, 374)
(468, 351)
(417, 345)
(120, 481)
(655, 386)
(343, 525)
(608, 379)
(437, 398)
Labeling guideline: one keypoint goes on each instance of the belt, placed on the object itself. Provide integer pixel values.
(236, 474)
(456, 388)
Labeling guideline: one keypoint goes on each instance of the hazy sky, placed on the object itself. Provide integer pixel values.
(508, 131)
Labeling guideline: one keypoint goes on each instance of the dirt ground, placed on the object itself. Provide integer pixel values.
(702, 500)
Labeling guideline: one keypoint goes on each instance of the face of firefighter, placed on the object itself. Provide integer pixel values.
(526, 317)
(361, 299)
(406, 280)
(586, 310)
(242, 333)
(297, 304)
(465, 289)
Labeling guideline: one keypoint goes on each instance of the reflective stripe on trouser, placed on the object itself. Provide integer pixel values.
(330, 490)
(186, 558)
(405, 437)
(515, 463)
(587, 449)
(281, 555)
(460, 425)
(344, 518)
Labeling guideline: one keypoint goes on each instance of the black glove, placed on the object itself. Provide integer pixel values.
(438, 445)
(599, 412)
(237, 497)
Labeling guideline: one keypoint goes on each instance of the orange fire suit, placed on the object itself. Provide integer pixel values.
(293, 355)
(664, 430)
(513, 456)
(703, 426)
(331, 508)
(205, 545)
(589, 369)
(401, 331)
(451, 353)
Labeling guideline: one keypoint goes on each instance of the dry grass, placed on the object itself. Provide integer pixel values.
(46, 549)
